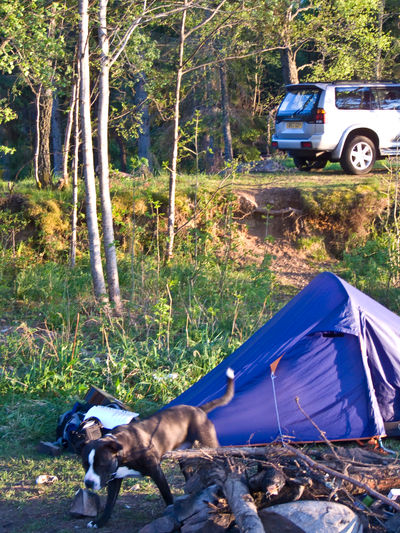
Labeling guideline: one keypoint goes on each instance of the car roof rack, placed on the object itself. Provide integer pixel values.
(357, 82)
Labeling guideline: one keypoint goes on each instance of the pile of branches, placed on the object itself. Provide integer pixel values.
(250, 479)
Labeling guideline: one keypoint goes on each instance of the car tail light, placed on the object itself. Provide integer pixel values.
(320, 116)
(306, 144)
(274, 144)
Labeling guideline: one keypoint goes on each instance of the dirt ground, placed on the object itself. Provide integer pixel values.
(276, 235)
(47, 509)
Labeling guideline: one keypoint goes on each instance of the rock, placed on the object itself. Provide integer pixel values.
(276, 523)
(265, 164)
(164, 524)
(46, 479)
(318, 516)
(85, 503)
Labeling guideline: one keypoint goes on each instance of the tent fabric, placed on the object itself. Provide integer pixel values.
(339, 362)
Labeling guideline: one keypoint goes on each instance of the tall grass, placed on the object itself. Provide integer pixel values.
(373, 265)
(181, 319)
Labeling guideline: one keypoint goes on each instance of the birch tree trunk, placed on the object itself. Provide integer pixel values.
(174, 161)
(88, 163)
(103, 108)
(74, 217)
(73, 105)
(226, 125)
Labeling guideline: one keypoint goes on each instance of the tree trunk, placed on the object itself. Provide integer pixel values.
(289, 67)
(88, 163)
(378, 68)
(56, 139)
(122, 153)
(74, 216)
(144, 132)
(226, 125)
(210, 153)
(73, 105)
(44, 130)
(103, 108)
(174, 161)
(37, 139)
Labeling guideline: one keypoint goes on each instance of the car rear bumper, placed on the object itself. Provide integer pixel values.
(311, 144)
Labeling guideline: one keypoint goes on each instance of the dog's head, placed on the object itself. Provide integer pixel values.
(100, 461)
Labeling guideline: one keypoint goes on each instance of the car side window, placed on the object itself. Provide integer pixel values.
(353, 98)
(387, 97)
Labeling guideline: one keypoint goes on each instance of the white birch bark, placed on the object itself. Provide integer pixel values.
(104, 179)
(88, 163)
(74, 217)
(68, 131)
(174, 160)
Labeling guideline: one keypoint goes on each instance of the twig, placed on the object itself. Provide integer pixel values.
(75, 336)
(335, 473)
(221, 186)
(245, 451)
(322, 433)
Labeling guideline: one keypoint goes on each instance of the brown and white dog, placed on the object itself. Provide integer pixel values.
(136, 449)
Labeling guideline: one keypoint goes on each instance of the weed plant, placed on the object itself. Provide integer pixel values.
(373, 264)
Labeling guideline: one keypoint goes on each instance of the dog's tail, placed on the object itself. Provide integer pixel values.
(226, 398)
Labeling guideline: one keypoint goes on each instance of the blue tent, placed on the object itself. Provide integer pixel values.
(332, 347)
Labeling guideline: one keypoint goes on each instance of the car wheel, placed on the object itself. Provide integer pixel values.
(359, 156)
(308, 164)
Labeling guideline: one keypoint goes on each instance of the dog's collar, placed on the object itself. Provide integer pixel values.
(112, 476)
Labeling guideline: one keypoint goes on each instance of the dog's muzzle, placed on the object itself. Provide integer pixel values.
(89, 484)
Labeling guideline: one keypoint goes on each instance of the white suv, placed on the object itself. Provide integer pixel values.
(351, 122)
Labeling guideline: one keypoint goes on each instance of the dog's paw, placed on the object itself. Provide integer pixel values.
(92, 525)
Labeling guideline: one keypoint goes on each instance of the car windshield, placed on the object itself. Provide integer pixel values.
(301, 101)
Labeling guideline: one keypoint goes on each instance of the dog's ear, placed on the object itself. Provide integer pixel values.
(113, 445)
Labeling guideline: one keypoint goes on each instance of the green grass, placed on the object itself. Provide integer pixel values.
(182, 318)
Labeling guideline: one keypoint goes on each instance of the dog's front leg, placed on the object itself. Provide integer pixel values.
(159, 478)
(112, 495)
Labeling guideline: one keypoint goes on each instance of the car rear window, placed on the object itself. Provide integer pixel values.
(299, 102)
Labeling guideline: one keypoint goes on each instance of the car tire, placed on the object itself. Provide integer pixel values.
(359, 155)
(307, 164)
